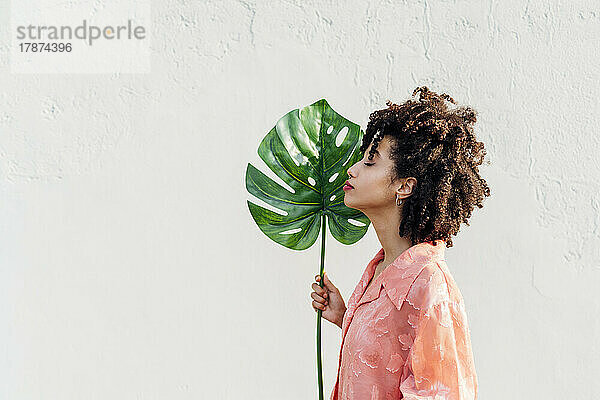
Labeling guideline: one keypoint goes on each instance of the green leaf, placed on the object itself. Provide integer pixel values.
(301, 150)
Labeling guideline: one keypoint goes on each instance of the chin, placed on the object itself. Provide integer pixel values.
(350, 205)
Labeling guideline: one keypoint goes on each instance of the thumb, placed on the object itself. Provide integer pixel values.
(327, 282)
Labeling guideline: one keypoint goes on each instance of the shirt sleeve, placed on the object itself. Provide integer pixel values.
(440, 363)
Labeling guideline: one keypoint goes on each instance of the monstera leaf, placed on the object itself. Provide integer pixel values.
(311, 150)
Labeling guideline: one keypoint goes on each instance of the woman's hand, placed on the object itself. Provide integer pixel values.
(329, 300)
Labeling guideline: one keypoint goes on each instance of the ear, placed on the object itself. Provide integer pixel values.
(407, 187)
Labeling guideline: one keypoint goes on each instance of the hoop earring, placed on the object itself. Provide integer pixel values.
(398, 201)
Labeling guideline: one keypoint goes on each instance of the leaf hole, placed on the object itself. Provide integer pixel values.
(332, 178)
(339, 139)
(312, 181)
(263, 204)
(351, 154)
(330, 129)
(291, 231)
(332, 198)
(267, 171)
(355, 222)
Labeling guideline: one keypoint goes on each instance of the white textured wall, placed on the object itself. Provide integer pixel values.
(130, 267)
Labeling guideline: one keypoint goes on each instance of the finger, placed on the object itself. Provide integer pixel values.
(324, 287)
(318, 298)
(318, 306)
(321, 291)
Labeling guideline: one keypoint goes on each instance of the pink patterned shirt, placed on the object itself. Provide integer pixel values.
(407, 336)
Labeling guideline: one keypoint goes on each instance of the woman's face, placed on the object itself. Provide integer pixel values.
(371, 180)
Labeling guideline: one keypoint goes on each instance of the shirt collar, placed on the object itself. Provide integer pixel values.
(397, 278)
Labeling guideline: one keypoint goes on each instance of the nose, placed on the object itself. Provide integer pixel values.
(351, 170)
(350, 174)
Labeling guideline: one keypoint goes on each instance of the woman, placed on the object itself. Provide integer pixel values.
(405, 333)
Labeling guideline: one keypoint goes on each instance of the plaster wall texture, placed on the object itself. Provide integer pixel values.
(130, 267)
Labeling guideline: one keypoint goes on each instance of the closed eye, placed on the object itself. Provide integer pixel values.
(369, 164)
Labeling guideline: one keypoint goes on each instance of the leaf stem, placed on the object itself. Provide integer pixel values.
(319, 364)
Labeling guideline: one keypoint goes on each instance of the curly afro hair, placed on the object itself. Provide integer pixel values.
(436, 145)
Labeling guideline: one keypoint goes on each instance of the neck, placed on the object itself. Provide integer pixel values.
(386, 225)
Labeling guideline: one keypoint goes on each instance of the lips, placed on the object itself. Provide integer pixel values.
(347, 185)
